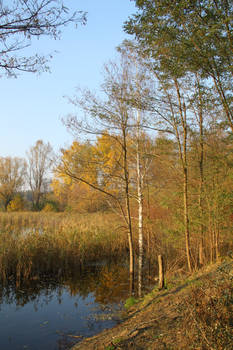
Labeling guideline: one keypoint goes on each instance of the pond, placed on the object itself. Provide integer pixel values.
(53, 315)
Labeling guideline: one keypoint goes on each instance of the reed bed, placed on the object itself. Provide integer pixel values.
(38, 244)
(35, 245)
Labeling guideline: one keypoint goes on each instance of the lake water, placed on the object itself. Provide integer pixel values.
(54, 316)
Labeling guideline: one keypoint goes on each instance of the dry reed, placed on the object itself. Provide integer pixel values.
(33, 245)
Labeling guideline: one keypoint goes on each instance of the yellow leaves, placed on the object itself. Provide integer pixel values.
(85, 167)
(107, 151)
(17, 204)
(76, 161)
(76, 170)
(49, 207)
(87, 163)
(80, 161)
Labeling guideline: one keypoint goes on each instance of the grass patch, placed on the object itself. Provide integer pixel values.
(130, 302)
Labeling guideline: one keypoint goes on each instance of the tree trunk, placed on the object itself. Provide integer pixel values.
(161, 272)
(183, 158)
(223, 99)
(201, 161)
(128, 211)
(140, 209)
(217, 244)
(211, 246)
(186, 221)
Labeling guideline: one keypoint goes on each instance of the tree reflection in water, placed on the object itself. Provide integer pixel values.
(61, 311)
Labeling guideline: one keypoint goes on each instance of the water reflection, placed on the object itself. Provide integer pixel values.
(52, 314)
(47, 314)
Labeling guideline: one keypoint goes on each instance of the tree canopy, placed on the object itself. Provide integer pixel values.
(189, 36)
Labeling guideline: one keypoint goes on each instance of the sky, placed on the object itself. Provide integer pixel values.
(33, 105)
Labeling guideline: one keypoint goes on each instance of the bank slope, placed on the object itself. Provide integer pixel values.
(193, 313)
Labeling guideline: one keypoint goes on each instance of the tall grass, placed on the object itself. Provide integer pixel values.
(33, 245)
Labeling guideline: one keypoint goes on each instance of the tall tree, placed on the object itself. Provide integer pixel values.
(23, 20)
(171, 115)
(40, 159)
(12, 178)
(204, 108)
(189, 36)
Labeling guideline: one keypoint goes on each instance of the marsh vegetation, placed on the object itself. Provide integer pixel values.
(64, 276)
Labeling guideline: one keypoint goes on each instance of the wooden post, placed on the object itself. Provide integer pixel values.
(161, 272)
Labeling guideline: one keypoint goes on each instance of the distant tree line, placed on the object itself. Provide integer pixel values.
(24, 183)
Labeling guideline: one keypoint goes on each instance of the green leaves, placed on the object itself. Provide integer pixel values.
(184, 35)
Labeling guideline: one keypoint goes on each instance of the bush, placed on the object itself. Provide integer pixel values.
(17, 204)
(50, 207)
(130, 302)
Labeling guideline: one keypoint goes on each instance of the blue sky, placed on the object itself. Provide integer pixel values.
(32, 105)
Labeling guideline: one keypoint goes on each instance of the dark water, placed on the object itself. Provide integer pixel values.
(54, 316)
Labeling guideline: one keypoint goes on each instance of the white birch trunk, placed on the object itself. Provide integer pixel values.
(140, 207)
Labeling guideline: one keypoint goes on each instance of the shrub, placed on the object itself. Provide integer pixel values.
(17, 204)
(50, 207)
(130, 302)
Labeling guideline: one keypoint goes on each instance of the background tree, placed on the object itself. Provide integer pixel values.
(12, 178)
(23, 20)
(73, 195)
(40, 160)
